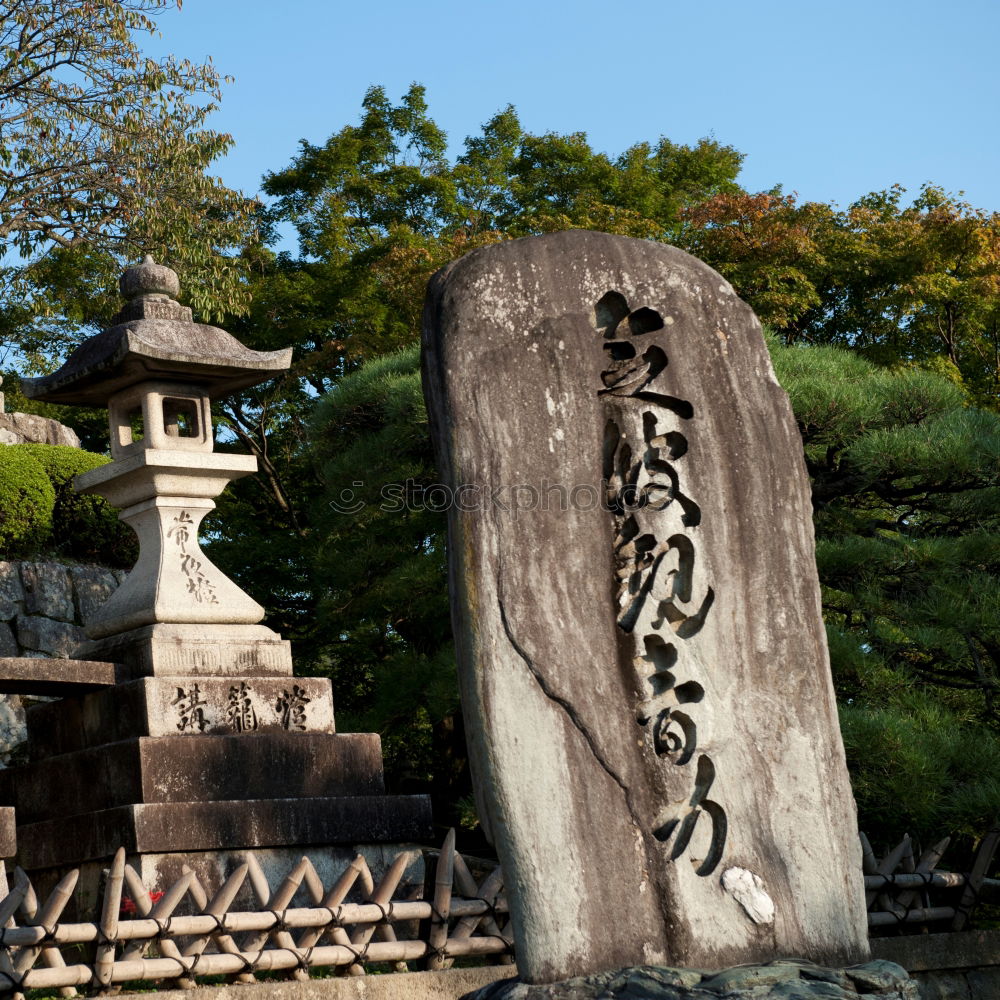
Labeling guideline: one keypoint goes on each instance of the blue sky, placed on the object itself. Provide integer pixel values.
(828, 99)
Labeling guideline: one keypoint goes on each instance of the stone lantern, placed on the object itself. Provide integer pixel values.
(199, 742)
(157, 372)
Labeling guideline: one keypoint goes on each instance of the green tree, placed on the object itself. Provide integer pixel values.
(925, 283)
(559, 182)
(93, 135)
(894, 281)
(379, 557)
(906, 491)
(378, 208)
(773, 250)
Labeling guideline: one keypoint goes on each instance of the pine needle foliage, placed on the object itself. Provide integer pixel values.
(906, 488)
(381, 577)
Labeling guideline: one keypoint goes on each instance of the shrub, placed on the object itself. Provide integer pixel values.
(84, 527)
(27, 500)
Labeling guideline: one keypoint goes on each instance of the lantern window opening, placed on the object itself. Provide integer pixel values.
(180, 417)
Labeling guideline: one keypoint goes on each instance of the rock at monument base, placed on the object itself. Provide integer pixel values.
(782, 980)
(644, 672)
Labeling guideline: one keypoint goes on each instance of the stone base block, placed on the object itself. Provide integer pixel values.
(195, 769)
(181, 827)
(185, 650)
(172, 706)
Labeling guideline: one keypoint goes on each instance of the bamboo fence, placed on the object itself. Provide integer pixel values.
(460, 918)
(181, 935)
(908, 893)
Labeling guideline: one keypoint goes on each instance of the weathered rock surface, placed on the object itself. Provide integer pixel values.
(11, 590)
(48, 591)
(92, 586)
(642, 656)
(782, 980)
(27, 428)
(8, 644)
(53, 638)
(66, 593)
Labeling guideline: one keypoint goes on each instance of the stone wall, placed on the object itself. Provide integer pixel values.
(43, 605)
(43, 608)
(950, 966)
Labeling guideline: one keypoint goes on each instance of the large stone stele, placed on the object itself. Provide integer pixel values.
(642, 657)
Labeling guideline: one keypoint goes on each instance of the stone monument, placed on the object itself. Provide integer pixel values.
(196, 739)
(642, 656)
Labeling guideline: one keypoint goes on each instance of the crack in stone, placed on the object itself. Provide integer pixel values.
(571, 712)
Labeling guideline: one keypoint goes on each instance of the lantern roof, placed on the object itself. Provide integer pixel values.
(155, 338)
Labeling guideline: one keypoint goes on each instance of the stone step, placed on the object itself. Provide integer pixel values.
(59, 678)
(158, 827)
(173, 706)
(170, 769)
